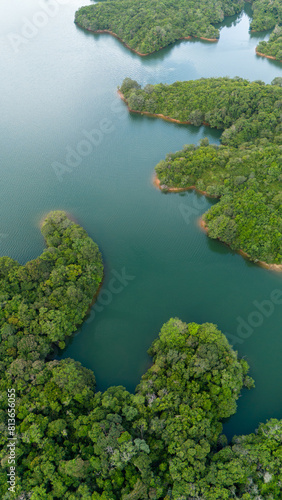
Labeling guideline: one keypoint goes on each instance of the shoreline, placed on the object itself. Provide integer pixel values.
(204, 38)
(157, 183)
(157, 115)
(109, 32)
(260, 263)
(268, 57)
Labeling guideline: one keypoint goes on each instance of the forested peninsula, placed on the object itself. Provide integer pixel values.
(245, 172)
(273, 48)
(44, 301)
(165, 441)
(146, 26)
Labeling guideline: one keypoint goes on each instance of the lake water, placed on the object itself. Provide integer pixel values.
(57, 86)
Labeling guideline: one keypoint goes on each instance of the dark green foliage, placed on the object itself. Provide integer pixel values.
(148, 25)
(246, 172)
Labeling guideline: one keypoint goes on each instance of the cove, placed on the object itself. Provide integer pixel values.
(61, 83)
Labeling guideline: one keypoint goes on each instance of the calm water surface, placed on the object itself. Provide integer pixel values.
(56, 86)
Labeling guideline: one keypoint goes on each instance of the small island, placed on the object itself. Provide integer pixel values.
(147, 26)
(245, 171)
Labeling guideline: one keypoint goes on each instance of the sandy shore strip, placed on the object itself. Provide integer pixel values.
(157, 184)
(265, 55)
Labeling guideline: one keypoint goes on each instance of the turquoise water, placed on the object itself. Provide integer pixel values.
(57, 86)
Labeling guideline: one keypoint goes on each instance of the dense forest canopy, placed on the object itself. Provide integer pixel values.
(163, 442)
(246, 171)
(149, 25)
